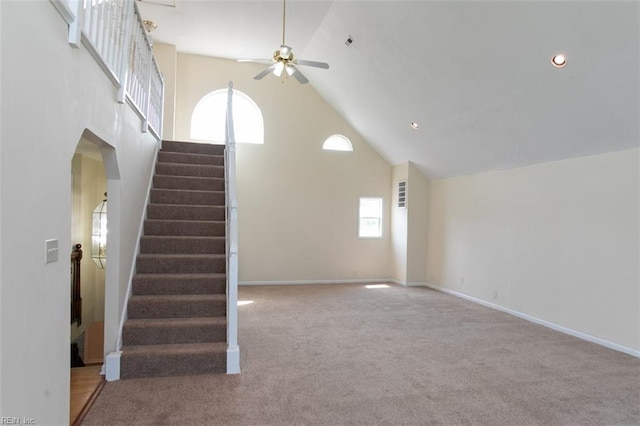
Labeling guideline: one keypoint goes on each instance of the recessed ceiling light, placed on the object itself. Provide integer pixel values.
(559, 61)
(414, 125)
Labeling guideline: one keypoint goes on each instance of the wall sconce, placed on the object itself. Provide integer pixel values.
(99, 234)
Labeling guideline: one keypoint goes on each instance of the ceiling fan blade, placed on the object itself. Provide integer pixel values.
(301, 78)
(264, 73)
(315, 64)
(257, 61)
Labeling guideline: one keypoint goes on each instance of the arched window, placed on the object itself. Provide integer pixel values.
(209, 116)
(337, 143)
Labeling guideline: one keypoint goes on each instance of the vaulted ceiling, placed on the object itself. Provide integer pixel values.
(475, 75)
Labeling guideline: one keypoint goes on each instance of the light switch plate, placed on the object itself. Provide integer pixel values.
(51, 251)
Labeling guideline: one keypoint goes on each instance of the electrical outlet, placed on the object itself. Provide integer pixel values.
(50, 251)
(495, 294)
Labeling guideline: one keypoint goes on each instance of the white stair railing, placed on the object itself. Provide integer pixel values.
(113, 32)
(103, 32)
(233, 350)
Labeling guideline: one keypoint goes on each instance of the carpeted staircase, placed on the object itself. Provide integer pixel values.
(176, 316)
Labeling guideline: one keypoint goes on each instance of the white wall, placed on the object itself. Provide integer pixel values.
(409, 226)
(399, 226)
(557, 241)
(51, 93)
(298, 204)
(1, 210)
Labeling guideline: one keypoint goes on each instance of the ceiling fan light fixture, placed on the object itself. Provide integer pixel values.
(285, 52)
(290, 69)
(277, 71)
(149, 26)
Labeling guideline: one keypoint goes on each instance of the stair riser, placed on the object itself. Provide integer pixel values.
(133, 365)
(175, 196)
(186, 158)
(143, 285)
(154, 335)
(189, 183)
(193, 148)
(197, 229)
(189, 170)
(180, 245)
(138, 308)
(185, 212)
(151, 264)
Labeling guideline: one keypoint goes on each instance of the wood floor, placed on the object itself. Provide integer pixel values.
(86, 384)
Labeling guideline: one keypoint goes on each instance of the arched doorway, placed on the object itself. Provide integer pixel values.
(94, 172)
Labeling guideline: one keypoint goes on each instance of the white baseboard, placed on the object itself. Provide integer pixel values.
(112, 366)
(409, 283)
(308, 282)
(553, 326)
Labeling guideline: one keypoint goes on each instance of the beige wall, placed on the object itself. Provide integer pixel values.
(557, 241)
(166, 58)
(298, 212)
(417, 226)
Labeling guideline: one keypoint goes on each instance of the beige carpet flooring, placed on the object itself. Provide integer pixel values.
(348, 355)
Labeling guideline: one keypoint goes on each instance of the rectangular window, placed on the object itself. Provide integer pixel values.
(370, 223)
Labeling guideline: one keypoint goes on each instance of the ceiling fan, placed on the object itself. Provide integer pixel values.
(283, 60)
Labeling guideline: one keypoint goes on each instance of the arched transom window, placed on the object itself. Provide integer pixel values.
(209, 116)
(337, 143)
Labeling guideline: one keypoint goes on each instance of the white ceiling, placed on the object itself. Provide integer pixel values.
(476, 75)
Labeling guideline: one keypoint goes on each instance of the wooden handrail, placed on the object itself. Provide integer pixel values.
(76, 296)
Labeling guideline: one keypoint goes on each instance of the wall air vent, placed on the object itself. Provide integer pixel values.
(402, 194)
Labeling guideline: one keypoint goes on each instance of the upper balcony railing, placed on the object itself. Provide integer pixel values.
(113, 32)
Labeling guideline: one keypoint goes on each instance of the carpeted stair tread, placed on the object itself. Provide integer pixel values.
(186, 212)
(177, 348)
(190, 158)
(188, 182)
(164, 244)
(180, 263)
(178, 169)
(151, 331)
(184, 196)
(181, 297)
(192, 148)
(177, 306)
(211, 228)
(167, 284)
(173, 360)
